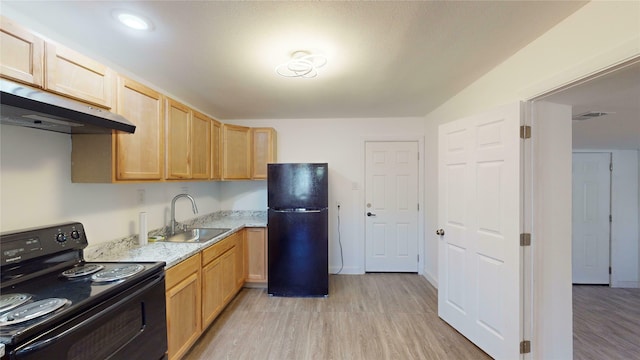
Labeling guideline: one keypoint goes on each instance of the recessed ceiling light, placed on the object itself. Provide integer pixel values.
(132, 21)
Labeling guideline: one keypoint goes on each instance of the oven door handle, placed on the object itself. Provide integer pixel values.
(53, 339)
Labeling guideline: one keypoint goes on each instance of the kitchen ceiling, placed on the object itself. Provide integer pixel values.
(385, 59)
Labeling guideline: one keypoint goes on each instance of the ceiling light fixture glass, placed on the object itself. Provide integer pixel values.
(302, 64)
(132, 21)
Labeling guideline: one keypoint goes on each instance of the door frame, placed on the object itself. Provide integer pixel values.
(608, 61)
(361, 208)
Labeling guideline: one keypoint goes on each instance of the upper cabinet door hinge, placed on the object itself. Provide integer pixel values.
(525, 347)
(525, 239)
(525, 132)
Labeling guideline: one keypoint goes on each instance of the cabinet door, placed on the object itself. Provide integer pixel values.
(236, 150)
(74, 75)
(184, 322)
(216, 150)
(239, 260)
(256, 255)
(228, 261)
(264, 151)
(200, 146)
(140, 156)
(178, 119)
(21, 58)
(212, 291)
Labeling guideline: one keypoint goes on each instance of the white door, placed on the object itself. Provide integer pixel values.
(479, 207)
(591, 210)
(391, 187)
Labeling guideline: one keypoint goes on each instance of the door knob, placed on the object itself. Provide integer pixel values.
(440, 232)
(371, 214)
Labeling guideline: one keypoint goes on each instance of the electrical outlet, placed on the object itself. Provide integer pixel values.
(141, 196)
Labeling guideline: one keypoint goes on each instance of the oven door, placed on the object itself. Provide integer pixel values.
(131, 325)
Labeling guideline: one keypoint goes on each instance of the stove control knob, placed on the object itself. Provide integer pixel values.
(75, 234)
(61, 237)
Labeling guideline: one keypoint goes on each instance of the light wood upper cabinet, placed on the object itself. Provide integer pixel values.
(140, 156)
(21, 56)
(200, 146)
(178, 120)
(216, 150)
(122, 157)
(236, 152)
(183, 295)
(264, 151)
(75, 75)
(255, 261)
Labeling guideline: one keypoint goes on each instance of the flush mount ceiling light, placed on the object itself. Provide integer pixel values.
(132, 21)
(302, 64)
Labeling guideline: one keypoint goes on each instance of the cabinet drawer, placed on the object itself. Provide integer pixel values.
(179, 272)
(218, 249)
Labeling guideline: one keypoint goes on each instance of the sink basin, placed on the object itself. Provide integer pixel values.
(196, 235)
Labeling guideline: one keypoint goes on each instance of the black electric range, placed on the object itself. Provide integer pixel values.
(54, 304)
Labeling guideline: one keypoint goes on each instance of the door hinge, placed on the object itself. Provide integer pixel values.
(609, 270)
(610, 166)
(525, 239)
(525, 347)
(418, 256)
(525, 132)
(418, 206)
(610, 218)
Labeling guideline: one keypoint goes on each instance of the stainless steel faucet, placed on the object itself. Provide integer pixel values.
(173, 210)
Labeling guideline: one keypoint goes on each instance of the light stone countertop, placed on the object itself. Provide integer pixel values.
(128, 250)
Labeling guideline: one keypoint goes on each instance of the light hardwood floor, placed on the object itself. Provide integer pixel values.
(373, 316)
(606, 323)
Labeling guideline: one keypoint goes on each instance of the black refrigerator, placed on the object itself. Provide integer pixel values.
(298, 230)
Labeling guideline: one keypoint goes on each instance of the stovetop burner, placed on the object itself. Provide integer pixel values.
(10, 301)
(82, 270)
(117, 273)
(32, 311)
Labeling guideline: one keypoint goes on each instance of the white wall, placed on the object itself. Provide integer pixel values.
(582, 44)
(339, 142)
(595, 37)
(36, 189)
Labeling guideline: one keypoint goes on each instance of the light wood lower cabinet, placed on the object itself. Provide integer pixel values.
(199, 288)
(218, 277)
(184, 322)
(255, 257)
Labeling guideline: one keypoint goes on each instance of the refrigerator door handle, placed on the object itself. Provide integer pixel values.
(297, 211)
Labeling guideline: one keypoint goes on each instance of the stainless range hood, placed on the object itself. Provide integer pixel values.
(29, 107)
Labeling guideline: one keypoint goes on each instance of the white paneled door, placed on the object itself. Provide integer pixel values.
(591, 210)
(391, 208)
(479, 207)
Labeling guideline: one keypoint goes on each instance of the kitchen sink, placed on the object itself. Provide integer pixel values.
(196, 235)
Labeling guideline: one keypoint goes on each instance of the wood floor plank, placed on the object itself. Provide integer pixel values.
(606, 323)
(373, 316)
